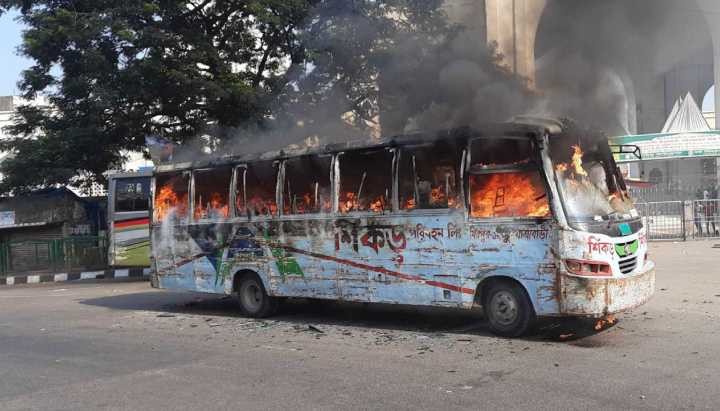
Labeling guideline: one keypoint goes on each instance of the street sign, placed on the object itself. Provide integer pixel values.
(670, 145)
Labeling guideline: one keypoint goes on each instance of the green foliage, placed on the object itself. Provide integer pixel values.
(116, 71)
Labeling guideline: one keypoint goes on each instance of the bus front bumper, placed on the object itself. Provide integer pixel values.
(598, 297)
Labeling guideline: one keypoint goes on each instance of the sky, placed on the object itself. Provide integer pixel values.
(709, 102)
(11, 65)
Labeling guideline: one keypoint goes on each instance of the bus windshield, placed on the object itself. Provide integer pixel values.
(591, 186)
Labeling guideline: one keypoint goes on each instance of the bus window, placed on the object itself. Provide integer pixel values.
(307, 188)
(212, 194)
(429, 177)
(504, 182)
(171, 196)
(257, 189)
(500, 152)
(366, 181)
(132, 194)
(513, 194)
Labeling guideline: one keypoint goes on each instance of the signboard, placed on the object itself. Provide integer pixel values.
(671, 146)
(7, 218)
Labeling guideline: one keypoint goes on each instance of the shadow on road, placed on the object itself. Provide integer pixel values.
(306, 312)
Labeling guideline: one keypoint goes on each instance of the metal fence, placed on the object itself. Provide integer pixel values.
(665, 194)
(67, 254)
(681, 220)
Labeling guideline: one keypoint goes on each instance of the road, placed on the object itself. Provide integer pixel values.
(126, 346)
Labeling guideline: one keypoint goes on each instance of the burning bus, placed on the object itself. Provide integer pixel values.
(526, 219)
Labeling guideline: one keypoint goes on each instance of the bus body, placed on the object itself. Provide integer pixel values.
(129, 219)
(516, 218)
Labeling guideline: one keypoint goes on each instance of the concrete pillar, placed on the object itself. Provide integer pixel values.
(717, 83)
(513, 24)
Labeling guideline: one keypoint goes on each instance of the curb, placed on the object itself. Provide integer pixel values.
(126, 273)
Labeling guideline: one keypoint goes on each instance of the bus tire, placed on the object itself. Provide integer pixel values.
(508, 310)
(254, 299)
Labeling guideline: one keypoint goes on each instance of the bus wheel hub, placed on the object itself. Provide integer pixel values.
(504, 308)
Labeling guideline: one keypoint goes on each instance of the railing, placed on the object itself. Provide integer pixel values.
(67, 254)
(681, 220)
(667, 194)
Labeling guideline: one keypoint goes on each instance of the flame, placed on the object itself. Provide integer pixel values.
(261, 207)
(577, 161)
(438, 198)
(378, 205)
(410, 204)
(217, 207)
(606, 322)
(168, 201)
(508, 195)
(306, 204)
(349, 203)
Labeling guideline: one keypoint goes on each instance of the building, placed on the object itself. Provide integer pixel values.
(50, 229)
(680, 162)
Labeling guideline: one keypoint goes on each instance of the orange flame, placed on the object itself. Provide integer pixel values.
(167, 201)
(438, 198)
(349, 203)
(215, 208)
(606, 322)
(577, 160)
(306, 204)
(261, 207)
(508, 195)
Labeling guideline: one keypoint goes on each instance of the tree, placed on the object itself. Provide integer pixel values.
(133, 68)
(229, 68)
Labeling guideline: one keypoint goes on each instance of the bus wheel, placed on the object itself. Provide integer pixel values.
(508, 310)
(254, 300)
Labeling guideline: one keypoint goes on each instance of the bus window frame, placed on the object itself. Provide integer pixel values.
(192, 194)
(535, 163)
(234, 192)
(463, 204)
(394, 199)
(153, 184)
(237, 178)
(113, 187)
(280, 189)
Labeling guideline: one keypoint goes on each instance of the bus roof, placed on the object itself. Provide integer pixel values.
(523, 127)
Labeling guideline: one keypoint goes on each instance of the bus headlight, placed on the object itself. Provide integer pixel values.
(588, 268)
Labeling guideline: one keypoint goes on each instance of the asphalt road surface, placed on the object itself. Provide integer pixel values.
(127, 346)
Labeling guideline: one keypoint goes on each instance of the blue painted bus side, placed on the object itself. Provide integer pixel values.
(414, 258)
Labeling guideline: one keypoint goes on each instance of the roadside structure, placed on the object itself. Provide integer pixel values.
(51, 229)
(680, 160)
